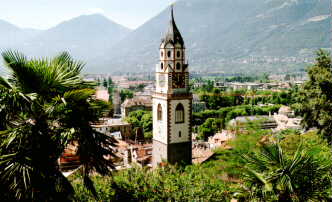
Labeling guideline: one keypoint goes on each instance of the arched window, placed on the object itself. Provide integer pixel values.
(178, 66)
(169, 54)
(162, 65)
(159, 112)
(162, 54)
(179, 113)
(178, 54)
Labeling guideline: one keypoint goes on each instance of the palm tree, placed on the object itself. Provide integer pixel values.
(44, 105)
(273, 176)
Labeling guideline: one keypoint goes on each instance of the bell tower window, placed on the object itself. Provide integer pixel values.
(162, 54)
(162, 65)
(178, 54)
(179, 113)
(159, 112)
(178, 66)
(169, 54)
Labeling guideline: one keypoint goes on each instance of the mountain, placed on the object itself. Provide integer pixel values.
(84, 37)
(221, 35)
(229, 36)
(11, 34)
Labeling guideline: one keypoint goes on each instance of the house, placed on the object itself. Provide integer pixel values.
(141, 154)
(220, 138)
(286, 119)
(131, 153)
(247, 86)
(136, 103)
(220, 85)
(115, 128)
(102, 94)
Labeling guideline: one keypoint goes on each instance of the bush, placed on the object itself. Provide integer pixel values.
(209, 128)
(164, 184)
(141, 119)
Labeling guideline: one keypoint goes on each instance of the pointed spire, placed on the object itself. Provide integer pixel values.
(172, 13)
(173, 34)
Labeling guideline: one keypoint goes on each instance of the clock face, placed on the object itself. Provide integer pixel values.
(179, 80)
(161, 80)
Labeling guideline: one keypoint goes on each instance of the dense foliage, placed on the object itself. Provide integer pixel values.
(274, 176)
(315, 100)
(261, 78)
(255, 169)
(141, 119)
(193, 183)
(126, 94)
(223, 115)
(216, 98)
(44, 105)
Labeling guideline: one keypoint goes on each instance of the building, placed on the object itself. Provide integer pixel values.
(220, 85)
(263, 122)
(114, 127)
(219, 139)
(102, 94)
(246, 86)
(286, 119)
(172, 102)
(139, 154)
(136, 103)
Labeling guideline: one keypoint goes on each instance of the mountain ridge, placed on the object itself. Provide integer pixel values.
(83, 36)
(218, 31)
(225, 36)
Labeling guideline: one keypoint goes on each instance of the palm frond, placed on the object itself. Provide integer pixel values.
(5, 83)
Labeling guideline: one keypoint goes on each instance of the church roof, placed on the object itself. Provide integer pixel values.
(173, 34)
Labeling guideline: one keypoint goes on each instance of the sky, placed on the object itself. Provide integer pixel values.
(44, 14)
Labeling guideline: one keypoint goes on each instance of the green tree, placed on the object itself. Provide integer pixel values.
(315, 100)
(209, 128)
(124, 94)
(44, 105)
(271, 175)
(147, 122)
(105, 83)
(110, 81)
(141, 119)
(170, 183)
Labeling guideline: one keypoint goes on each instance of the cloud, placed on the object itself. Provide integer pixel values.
(94, 11)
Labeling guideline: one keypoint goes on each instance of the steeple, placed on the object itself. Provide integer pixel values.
(172, 102)
(173, 34)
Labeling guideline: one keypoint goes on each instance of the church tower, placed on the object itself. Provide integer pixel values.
(172, 102)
